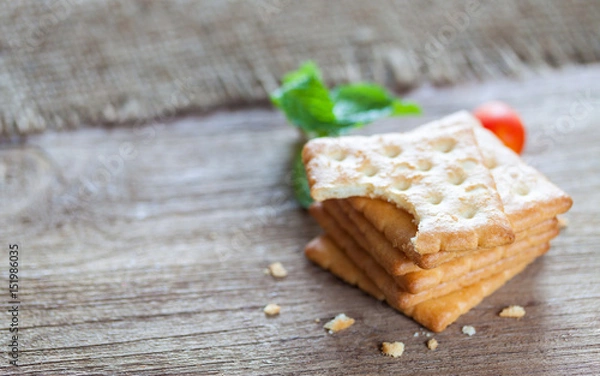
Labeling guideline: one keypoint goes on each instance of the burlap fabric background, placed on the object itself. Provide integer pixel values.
(68, 63)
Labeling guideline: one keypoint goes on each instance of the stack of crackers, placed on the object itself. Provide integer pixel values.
(432, 220)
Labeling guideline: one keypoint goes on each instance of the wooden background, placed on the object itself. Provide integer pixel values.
(142, 251)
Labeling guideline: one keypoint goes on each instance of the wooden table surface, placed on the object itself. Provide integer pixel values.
(142, 251)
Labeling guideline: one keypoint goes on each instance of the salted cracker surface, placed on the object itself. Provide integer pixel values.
(439, 177)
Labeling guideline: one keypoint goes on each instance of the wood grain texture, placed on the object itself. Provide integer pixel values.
(143, 250)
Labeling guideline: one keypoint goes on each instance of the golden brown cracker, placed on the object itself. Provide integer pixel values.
(377, 216)
(422, 280)
(434, 314)
(396, 292)
(325, 253)
(392, 259)
(439, 177)
(404, 300)
(527, 195)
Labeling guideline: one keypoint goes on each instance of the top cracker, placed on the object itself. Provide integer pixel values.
(527, 195)
(438, 176)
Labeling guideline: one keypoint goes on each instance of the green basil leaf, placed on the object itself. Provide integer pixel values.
(306, 102)
(300, 181)
(363, 103)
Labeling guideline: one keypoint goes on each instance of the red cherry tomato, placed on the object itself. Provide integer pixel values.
(501, 119)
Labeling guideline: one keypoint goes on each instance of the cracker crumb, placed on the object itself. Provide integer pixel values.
(340, 322)
(513, 311)
(432, 344)
(416, 334)
(393, 349)
(562, 222)
(317, 320)
(468, 330)
(272, 309)
(277, 270)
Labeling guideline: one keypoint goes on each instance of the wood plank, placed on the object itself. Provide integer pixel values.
(157, 268)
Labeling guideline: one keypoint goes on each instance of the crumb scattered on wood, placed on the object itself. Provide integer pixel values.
(272, 309)
(432, 344)
(416, 334)
(393, 349)
(340, 322)
(317, 320)
(513, 311)
(468, 330)
(277, 270)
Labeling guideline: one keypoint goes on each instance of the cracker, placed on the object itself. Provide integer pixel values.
(394, 261)
(416, 282)
(387, 218)
(348, 246)
(439, 177)
(405, 300)
(527, 195)
(435, 314)
(325, 253)
(402, 299)
(423, 280)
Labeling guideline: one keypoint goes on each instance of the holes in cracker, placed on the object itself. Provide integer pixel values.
(391, 151)
(445, 145)
(469, 212)
(338, 154)
(436, 198)
(490, 163)
(521, 189)
(401, 183)
(468, 164)
(457, 175)
(368, 170)
(424, 165)
(403, 166)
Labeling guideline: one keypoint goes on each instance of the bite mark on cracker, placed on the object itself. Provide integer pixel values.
(408, 180)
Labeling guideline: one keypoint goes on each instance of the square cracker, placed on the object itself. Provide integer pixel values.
(527, 195)
(382, 221)
(439, 177)
(434, 314)
(464, 271)
(418, 280)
